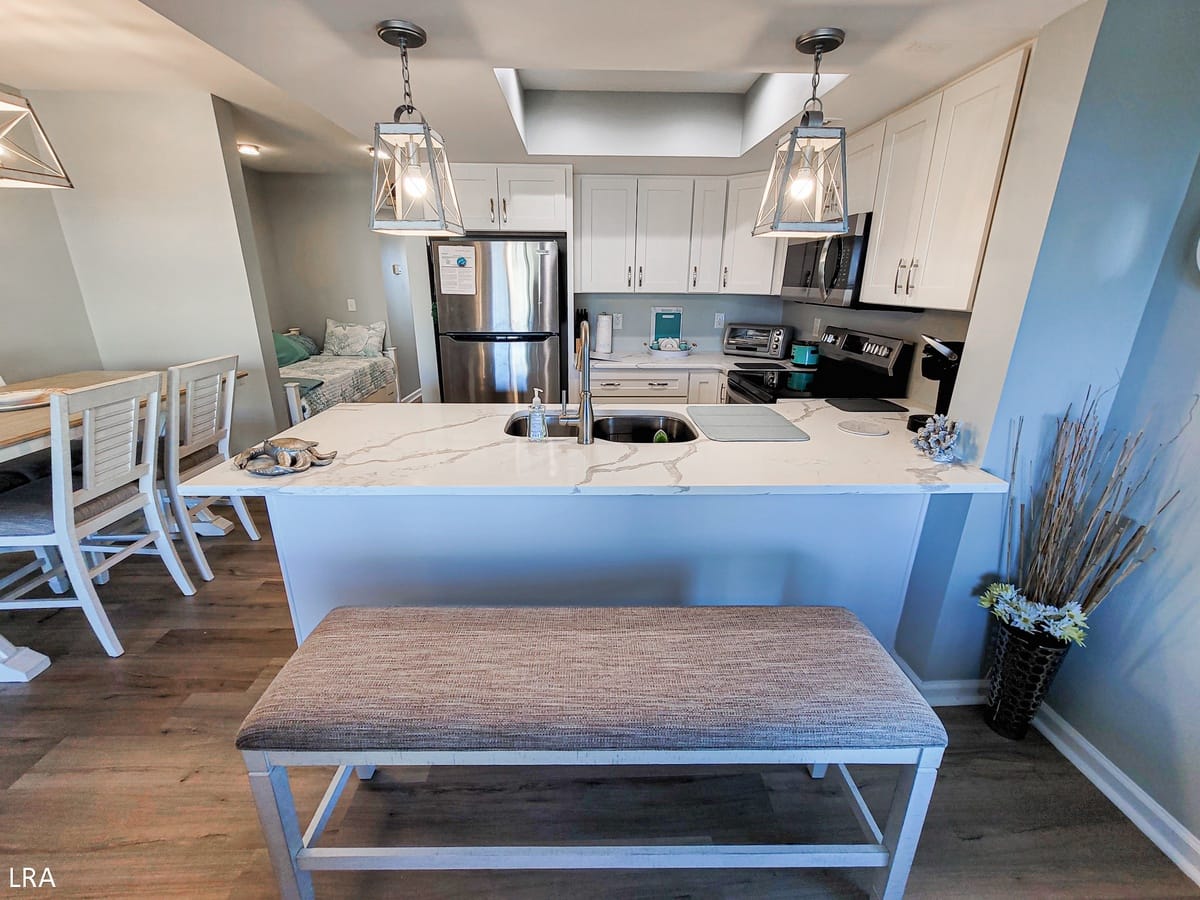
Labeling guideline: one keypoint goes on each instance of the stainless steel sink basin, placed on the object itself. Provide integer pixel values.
(640, 429)
(518, 426)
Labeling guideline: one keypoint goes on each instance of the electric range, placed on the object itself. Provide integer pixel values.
(850, 364)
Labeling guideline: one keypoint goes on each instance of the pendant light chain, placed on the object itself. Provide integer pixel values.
(814, 100)
(406, 108)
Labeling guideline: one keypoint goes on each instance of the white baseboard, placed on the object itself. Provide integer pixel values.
(1168, 833)
(414, 397)
(949, 692)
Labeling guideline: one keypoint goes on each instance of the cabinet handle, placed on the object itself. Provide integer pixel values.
(629, 277)
(658, 384)
(695, 274)
(610, 384)
(641, 276)
(492, 209)
(908, 285)
(903, 266)
(504, 210)
(725, 277)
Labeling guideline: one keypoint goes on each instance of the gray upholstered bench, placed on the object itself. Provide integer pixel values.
(590, 686)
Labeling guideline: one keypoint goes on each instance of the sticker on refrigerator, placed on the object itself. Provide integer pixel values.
(456, 269)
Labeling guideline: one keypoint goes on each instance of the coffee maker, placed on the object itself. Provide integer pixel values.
(939, 362)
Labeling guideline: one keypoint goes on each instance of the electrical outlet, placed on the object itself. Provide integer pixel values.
(351, 304)
(396, 269)
(618, 321)
(719, 320)
(817, 328)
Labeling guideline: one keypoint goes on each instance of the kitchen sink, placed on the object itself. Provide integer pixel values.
(640, 429)
(518, 426)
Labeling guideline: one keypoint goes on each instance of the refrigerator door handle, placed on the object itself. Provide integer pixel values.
(527, 337)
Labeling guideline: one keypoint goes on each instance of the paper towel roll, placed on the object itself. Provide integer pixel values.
(604, 333)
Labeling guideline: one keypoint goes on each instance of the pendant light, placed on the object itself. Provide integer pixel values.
(413, 192)
(26, 157)
(806, 188)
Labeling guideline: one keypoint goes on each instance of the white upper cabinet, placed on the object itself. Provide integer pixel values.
(748, 263)
(511, 198)
(475, 187)
(607, 210)
(532, 198)
(664, 234)
(939, 171)
(863, 151)
(903, 172)
(964, 175)
(708, 233)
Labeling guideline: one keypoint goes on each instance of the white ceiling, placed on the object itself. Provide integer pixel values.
(640, 81)
(313, 77)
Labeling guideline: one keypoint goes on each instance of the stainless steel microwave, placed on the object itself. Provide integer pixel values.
(828, 269)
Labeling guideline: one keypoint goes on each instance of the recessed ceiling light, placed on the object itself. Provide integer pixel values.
(370, 150)
(249, 149)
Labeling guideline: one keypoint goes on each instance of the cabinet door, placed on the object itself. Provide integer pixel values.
(747, 262)
(475, 187)
(708, 231)
(863, 151)
(702, 387)
(607, 215)
(664, 234)
(903, 172)
(968, 156)
(532, 198)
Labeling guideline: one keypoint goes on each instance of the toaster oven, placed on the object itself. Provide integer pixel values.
(763, 341)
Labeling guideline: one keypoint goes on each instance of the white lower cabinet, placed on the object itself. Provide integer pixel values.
(640, 386)
(704, 387)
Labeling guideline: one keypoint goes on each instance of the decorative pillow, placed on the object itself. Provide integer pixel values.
(288, 350)
(306, 342)
(350, 339)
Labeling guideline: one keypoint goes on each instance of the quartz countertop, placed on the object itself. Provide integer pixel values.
(436, 448)
(713, 360)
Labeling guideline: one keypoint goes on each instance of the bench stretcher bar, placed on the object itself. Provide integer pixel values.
(293, 855)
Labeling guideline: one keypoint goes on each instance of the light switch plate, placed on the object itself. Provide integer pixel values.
(351, 304)
(618, 321)
(396, 270)
(719, 320)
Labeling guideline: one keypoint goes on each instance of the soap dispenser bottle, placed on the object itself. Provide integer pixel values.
(537, 417)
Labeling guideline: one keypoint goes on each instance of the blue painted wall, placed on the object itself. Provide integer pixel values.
(1134, 691)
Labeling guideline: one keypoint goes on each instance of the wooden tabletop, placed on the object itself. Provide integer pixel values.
(18, 426)
(26, 430)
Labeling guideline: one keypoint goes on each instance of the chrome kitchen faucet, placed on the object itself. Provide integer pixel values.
(584, 417)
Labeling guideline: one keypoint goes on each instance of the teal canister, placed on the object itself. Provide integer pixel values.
(804, 353)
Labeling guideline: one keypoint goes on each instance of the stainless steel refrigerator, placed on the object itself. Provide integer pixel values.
(498, 308)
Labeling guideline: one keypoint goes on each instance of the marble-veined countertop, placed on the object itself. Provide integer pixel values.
(444, 448)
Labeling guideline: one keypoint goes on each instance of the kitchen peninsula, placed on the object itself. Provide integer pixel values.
(435, 503)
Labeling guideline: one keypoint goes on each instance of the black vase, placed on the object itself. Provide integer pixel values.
(1022, 668)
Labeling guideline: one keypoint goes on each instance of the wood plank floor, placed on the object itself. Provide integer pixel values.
(121, 777)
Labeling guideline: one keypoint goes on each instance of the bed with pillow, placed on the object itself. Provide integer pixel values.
(353, 367)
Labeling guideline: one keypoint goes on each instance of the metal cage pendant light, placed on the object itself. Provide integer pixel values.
(413, 190)
(26, 158)
(806, 188)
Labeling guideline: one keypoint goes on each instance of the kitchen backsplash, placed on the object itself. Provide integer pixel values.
(949, 326)
(698, 314)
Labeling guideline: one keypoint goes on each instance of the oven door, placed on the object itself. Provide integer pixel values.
(734, 395)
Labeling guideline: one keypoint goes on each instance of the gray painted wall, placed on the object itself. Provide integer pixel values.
(44, 325)
(324, 253)
(1133, 690)
(153, 235)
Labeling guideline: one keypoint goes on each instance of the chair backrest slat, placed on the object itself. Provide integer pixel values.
(119, 420)
(199, 408)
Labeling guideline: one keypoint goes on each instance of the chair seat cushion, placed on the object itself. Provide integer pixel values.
(27, 511)
(618, 678)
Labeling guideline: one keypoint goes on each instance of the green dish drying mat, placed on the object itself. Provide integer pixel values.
(744, 423)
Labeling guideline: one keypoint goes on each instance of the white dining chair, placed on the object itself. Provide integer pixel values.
(199, 417)
(67, 511)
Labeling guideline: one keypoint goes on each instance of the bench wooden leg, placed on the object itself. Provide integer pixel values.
(277, 815)
(903, 828)
(817, 770)
(364, 773)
